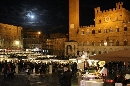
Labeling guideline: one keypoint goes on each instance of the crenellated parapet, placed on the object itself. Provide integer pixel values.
(105, 17)
(119, 6)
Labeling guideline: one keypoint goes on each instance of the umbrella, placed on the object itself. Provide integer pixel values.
(121, 55)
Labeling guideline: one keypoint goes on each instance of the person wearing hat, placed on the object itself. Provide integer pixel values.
(66, 77)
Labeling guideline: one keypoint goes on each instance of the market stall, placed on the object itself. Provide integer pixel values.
(115, 58)
(120, 55)
(90, 72)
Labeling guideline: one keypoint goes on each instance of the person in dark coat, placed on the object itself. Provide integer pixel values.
(66, 77)
(28, 71)
(5, 69)
(121, 79)
(60, 71)
(12, 70)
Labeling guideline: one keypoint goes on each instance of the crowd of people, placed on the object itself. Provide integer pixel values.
(7, 69)
(64, 70)
(117, 67)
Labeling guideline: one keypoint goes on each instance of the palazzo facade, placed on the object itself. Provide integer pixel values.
(111, 31)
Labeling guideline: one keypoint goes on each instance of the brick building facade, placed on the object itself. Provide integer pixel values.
(111, 31)
(10, 38)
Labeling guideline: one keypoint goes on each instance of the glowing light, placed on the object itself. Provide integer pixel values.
(17, 42)
(39, 32)
(83, 56)
(32, 16)
(105, 43)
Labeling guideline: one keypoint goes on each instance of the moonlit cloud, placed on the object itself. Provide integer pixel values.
(47, 14)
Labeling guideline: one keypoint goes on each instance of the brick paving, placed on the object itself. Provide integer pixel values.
(35, 80)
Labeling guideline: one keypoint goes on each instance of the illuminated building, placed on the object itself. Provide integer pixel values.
(10, 38)
(111, 31)
(32, 40)
(55, 44)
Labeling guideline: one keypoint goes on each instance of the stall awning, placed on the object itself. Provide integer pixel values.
(121, 55)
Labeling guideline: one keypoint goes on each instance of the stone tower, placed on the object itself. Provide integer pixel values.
(73, 19)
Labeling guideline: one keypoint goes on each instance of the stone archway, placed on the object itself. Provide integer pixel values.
(69, 50)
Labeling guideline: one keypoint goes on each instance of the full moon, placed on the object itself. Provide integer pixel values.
(32, 16)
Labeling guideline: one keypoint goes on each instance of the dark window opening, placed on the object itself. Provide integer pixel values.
(125, 28)
(93, 31)
(117, 43)
(100, 21)
(117, 29)
(125, 42)
(99, 31)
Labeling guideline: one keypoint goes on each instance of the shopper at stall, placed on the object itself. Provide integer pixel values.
(66, 77)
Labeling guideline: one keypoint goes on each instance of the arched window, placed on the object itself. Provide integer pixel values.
(88, 32)
(99, 31)
(100, 21)
(99, 52)
(117, 29)
(125, 42)
(100, 43)
(117, 43)
(93, 43)
(105, 30)
(111, 30)
(88, 43)
(125, 28)
(82, 32)
(93, 31)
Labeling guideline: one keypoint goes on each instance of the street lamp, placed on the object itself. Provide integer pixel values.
(39, 37)
(39, 32)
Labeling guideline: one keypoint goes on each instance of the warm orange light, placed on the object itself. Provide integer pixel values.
(39, 32)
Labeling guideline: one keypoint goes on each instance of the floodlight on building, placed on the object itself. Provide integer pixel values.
(17, 42)
(105, 43)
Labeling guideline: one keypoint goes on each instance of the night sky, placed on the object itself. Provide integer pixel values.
(50, 15)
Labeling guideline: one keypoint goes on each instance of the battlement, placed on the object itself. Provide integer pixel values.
(118, 7)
